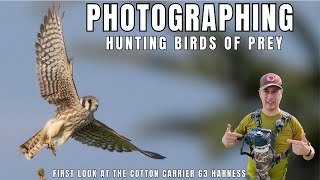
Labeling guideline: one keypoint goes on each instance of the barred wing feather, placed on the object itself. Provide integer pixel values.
(99, 135)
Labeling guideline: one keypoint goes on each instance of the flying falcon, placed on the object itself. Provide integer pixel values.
(74, 117)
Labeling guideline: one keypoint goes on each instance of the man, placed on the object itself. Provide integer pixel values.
(292, 133)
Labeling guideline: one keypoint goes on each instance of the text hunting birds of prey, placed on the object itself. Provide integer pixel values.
(74, 116)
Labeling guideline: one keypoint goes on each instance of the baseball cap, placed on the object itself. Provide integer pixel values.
(270, 79)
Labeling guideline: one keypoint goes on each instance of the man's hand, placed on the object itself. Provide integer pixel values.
(302, 147)
(229, 138)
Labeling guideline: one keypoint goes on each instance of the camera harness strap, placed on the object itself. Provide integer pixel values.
(285, 117)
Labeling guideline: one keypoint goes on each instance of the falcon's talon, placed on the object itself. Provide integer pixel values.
(51, 147)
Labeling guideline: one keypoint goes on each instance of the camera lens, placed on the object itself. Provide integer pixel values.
(258, 133)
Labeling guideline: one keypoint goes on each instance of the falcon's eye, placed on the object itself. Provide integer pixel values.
(89, 100)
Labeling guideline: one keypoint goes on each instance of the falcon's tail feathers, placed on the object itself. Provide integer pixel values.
(32, 146)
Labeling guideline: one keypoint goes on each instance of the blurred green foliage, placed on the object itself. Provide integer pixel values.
(41, 174)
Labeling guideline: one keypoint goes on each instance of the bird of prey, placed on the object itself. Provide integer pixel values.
(74, 116)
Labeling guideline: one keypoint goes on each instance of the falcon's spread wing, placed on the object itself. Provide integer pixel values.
(54, 68)
(99, 135)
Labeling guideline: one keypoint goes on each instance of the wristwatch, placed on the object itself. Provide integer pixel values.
(310, 151)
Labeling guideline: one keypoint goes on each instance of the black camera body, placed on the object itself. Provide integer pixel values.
(258, 137)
